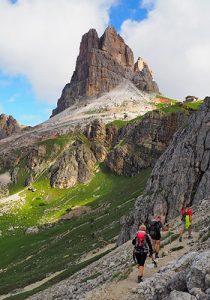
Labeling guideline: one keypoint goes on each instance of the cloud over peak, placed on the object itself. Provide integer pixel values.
(40, 39)
(175, 41)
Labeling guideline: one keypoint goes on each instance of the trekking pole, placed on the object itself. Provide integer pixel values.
(154, 262)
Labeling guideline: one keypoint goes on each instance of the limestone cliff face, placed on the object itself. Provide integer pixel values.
(75, 165)
(141, 143)
(102, 64)
(8, 126)
(181, 175)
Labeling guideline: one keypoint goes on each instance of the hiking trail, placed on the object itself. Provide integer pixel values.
(121, 290)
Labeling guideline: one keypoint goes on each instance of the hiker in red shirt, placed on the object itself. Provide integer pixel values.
(186, 222)
(142, 245)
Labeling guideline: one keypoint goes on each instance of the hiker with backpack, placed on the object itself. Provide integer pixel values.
(154, 228)
(142, 245)
(186, 222)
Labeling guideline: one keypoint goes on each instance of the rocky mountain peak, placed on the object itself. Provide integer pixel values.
(114, 44)
(103, 63)
(90, 40)
(8, 126)
(139, 65)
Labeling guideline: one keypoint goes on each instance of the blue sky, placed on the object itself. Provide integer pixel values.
(39, 44)
(17, 95)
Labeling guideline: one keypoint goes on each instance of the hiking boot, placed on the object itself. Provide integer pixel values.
(156, 255)
(190, 236)
(180, 239)
(139, 279)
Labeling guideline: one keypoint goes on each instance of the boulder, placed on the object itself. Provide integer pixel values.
(32, 230)
(176, 295)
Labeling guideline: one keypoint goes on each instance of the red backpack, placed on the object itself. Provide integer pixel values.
(141, 246)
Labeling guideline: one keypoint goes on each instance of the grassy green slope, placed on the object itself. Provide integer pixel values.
(26, 259)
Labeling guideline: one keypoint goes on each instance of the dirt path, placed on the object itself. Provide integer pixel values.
(121, 290)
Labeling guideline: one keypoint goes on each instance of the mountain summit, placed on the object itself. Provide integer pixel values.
(103, 63)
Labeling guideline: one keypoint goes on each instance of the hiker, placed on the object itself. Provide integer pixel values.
(186, 222)
(154, 228)
(142, 245)
(125, 116)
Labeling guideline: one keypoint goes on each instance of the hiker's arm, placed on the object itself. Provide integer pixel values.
(190, 215)
(134, 241)
(166, 227)
(150, 245)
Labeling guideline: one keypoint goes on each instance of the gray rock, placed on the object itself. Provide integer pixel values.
(187, 158)
(199, 269)
(176, 295)
(207, 281)
(32, 230)
(197, 292)
(75, 165)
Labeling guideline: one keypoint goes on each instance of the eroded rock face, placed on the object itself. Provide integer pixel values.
(76, 164)
(142, 143)
(102, 64)
(177, 280)
(8, 126)
(181, 175)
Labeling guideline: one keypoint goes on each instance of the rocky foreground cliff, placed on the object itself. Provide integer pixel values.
(103, 63)
(181, 175)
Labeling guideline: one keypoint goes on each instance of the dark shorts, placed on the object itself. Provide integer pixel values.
(141, 258)
(157, 237)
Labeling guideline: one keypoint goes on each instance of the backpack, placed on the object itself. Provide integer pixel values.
(187, 221)
(140, 243)
(154, 229)
(184, 215)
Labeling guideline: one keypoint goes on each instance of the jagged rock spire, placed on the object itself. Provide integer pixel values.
(102, 64)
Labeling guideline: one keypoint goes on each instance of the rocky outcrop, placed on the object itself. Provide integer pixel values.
(102, 64)
(143, 77)
(8, 126)
(180, 176)
(141, 143)
(187, 278)
(76, 164)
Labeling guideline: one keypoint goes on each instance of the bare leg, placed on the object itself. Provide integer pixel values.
(157, 248)
(181, 231)
(141, 271)
(190, 231)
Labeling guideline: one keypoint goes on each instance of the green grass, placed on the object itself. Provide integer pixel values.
(21, 177)
(123, 274)
(27, 259)
(176, 106)
(195, 105)
(59, 141)
(118, 123)
(93, 276)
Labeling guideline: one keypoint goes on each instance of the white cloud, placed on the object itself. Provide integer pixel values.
(40, 39)
(175, 41)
